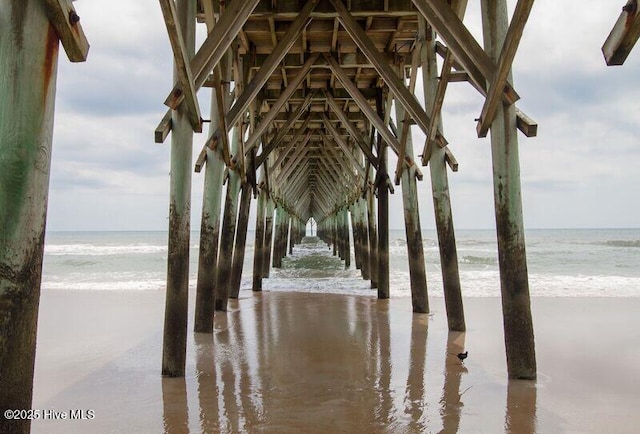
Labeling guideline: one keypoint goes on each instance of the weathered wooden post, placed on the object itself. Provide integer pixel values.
(241, 240)
(413, 231)
(383, 209)
(29, 47)
(268, 238)
(373, 237)
(258, 248)
(293, 233)
(174, 348)
(440, 189)
(345, 237)
(277, 245)
(355, 230)
(514, 283)
(225, 257)
(364, 237)
(210, 221)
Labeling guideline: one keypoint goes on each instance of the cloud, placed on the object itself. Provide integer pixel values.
(581, 170)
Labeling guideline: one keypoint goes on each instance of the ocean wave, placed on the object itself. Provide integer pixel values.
(619, 243)
(102, 249)
(131, 285)
(478, 260)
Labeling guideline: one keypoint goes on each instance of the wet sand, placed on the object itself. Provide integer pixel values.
(315, 363)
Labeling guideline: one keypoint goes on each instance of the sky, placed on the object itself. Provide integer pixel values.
(581, 171)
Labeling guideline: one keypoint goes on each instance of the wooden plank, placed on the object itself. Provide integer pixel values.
(503, 68)
(469, 53)
(275, 109)
(215, 46)
(163, 128)
(353, 130)
(181, 62)
(380, 63)
(62, 15)
(623, 36)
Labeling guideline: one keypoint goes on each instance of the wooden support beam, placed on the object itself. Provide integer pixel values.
(297, 156)
(469, 53)
(291, 145)
(174, 346)
(215, 46)
(459, 7)
(366, 108)
(293, 118)
(623, 36)
(62, 15)
(405, 122)
(277, 106)
(507, 192)
(272, 62)
(346, 169)
(524, 123)
(353, 130)
(503, 68)
(381, 64)
(162, 130)
(181, 61)
(223, 136)
(450, 159)
(258, 244)
(29, 52)
(340, 141)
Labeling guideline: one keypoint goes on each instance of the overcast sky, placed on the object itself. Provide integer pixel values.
(583, 169)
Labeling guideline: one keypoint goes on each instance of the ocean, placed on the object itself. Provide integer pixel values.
(561, 263)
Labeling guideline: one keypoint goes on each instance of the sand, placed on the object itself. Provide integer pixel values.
(316, 363)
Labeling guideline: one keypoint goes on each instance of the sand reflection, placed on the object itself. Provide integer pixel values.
(175, 410)
(302, 363)
(451, 402)
(521, 407)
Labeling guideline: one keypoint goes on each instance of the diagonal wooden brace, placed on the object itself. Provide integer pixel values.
(182, 63)
(469, 53)
(66, 21)
(503, 69)
(215, 46)
(623, 36)
(383, 68)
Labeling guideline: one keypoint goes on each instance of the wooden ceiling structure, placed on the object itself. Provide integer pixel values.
(301, 117)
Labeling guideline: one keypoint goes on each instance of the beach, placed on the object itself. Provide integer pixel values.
(311, 362)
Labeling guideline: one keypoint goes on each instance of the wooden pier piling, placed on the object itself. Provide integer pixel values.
(174, 347)
(440, 183)
(383, 183)
(258, 249)
(229, 220)
(241, 241)
(29, 47)
(514, 281)
(413, 231)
